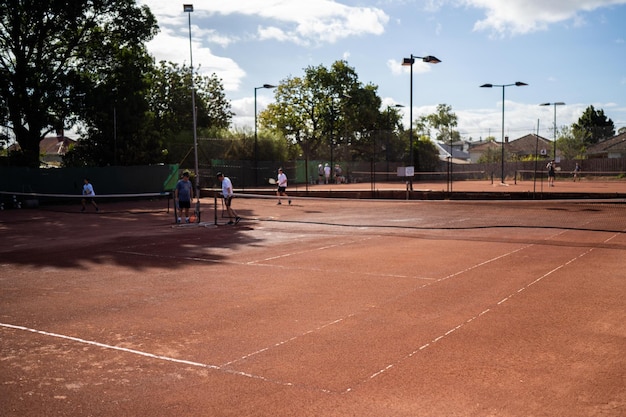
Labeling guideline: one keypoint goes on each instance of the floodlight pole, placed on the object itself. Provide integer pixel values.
(256, 145)
(409, 62)
(558, 103)
(188, 8)
(517, 84)
(391, 129)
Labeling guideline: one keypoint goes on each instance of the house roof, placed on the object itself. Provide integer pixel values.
(529, 144)
(51, 145)
(482, 147)
(55, 145)
(445, 151)
(615, 144)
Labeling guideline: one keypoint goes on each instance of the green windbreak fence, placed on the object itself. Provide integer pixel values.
(106, 180)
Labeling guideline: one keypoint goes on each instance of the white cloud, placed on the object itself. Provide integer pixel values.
(524, 16)
(313, 22)
(317, 21)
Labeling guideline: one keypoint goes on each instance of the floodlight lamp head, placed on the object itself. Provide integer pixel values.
(431, 59)
(407, 61)
(188, 7)
(486, 86)
(520, 84)
(545, 104)
(268, 86)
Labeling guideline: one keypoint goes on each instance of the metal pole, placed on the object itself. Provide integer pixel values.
(256, 145)
(555, 132)
(193, 112)
(411, 162)
(115, 134)
(502, 161)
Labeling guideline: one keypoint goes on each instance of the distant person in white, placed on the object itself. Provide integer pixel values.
(88, 195)
(282, 185)
(227, 194)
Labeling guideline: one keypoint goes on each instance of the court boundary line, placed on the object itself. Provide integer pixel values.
(331, 323)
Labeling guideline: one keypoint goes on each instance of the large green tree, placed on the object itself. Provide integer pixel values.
(571, 143)
(169, 99)
(444, 121)
(327, 112)
(594, 126)
(55, 54)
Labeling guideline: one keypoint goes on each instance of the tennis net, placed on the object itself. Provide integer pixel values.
(581, 214)
(109, 203)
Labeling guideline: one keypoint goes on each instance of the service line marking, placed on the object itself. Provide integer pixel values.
(488, 310)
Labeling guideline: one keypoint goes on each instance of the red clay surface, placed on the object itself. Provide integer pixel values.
(321, 308)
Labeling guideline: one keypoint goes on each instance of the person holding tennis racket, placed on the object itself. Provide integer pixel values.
(88, 195)
(227, 194)
(282, 185)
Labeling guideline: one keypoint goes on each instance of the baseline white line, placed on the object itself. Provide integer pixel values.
(155, 356)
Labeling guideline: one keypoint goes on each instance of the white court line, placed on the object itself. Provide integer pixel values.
(337, 321)
(151, 355)
(488, 310)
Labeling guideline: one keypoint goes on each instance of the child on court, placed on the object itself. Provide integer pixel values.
(183, 194)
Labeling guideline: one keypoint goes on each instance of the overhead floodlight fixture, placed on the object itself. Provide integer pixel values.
(188, 7)
(431, 59)
(558, 103)
(517, 84)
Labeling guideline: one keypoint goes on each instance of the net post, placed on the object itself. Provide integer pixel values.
(215, 207)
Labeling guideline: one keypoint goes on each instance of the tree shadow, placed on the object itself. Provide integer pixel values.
(63, 237)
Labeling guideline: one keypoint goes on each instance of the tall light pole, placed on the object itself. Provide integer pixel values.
(517, 84)
(391, 129)
(341, 97)
(256, 145)
(558, 103)
(188, 8)
(409, 62)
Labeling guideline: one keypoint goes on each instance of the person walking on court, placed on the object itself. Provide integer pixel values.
(88, 195)
(551, 173)
(320, 174)
(183, 194)
(577, 172)
(227, 194)
(282, 185)
(327, 173)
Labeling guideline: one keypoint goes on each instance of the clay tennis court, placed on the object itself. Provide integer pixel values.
(325, 307)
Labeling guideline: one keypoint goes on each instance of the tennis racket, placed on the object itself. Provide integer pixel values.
(272, 181)
(196, 213)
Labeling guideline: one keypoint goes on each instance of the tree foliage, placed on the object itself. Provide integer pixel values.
(169, 101)
(593, 126)
(55, 53)
(425, 154)
(327, 112)
(444, 121)
(571, 143)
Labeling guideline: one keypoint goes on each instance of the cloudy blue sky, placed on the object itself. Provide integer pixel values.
(571, 51)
